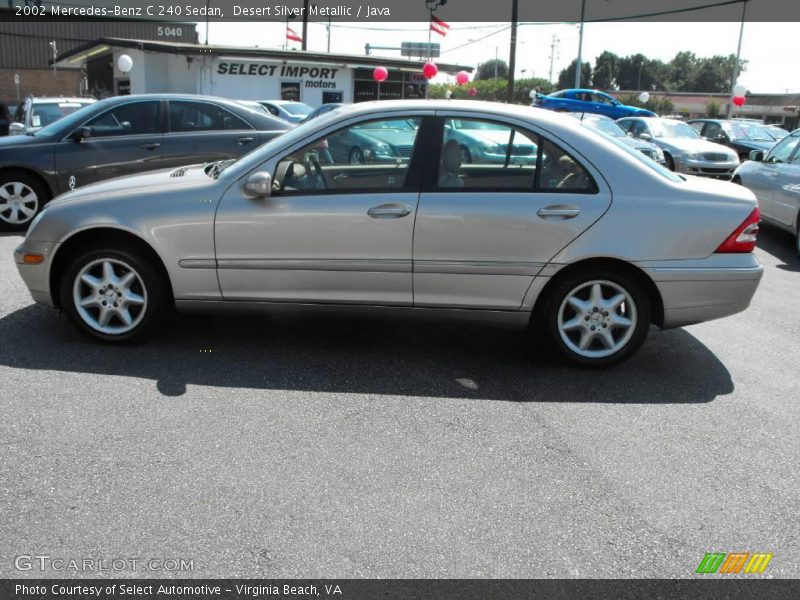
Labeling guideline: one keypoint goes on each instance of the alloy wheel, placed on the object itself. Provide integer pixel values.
(597, 319)
(18, 202)
(109, 296)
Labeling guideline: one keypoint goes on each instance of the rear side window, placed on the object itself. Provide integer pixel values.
(134, 118)
(479, 155)
(202, 116)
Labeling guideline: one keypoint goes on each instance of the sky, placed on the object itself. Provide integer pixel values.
(766, 46)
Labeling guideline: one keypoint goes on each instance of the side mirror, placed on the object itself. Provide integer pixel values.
(757, 155)
(258, 185)
(81, 133)
(16, 128)
(645, 136)
(720, 138)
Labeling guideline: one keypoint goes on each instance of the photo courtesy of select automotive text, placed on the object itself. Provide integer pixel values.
(399, 300)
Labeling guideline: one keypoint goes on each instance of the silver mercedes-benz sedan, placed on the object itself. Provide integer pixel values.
(589, 244)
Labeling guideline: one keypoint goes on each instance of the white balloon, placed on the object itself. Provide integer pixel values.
(644, 97)
(739, 90)
(124, 63)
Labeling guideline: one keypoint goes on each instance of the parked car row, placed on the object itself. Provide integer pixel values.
(544, 224)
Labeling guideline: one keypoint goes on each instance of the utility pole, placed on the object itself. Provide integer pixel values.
(304, 42)
(553, 51)
(738, 54)
(579, 64)
(512, 59)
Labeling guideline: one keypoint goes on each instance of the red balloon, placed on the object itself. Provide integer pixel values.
(738, 100)
(462, 77)
(430, 70)
(380, 74)
(473, 91)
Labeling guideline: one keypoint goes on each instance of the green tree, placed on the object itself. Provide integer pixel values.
(566, 79)
(487, 70)
(604, 76)
(493, 89)
(712, 109)
(658, 104)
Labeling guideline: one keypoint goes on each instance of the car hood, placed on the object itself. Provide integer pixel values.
(156, 182)
(636, 144)
(693, 145)
(15, 141)
(755, 144)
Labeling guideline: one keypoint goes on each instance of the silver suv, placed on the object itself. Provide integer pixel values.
(34, 113)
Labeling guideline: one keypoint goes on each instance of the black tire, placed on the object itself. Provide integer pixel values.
(357, 156)
(670, 162)
(35, 187)
(557, 297)
(155, 290)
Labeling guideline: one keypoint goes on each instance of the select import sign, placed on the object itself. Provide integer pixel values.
(245, 80)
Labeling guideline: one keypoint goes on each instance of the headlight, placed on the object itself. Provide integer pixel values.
(491, 149)
(693, 155)
(381, 149)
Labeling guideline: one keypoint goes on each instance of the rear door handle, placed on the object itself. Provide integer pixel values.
(559, 211)
(151, 146)
(389, 211)
(245, 140)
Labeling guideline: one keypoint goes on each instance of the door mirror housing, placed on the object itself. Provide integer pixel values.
(81, 133)
(16, 128)
(259, 185)
(757, 155)
(645, 136)
(720, 138)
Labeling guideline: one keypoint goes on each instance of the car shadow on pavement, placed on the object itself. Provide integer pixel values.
(402, 358)
(781, 245)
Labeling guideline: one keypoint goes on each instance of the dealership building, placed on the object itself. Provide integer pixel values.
(244, 73)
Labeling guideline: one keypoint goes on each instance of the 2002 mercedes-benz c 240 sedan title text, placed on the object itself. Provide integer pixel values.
(586, 240)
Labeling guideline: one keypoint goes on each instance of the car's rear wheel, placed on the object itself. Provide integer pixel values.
(22, 196)
(598, 317)
(113, 295)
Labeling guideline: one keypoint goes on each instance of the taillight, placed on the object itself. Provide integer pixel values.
(743, 239)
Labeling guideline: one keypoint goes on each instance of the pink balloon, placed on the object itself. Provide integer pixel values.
(462, 77)
(738, 100)
(430, 70)
(473, 91)
(380, 74)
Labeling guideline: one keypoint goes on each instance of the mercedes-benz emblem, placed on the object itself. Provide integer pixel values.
(72, 182)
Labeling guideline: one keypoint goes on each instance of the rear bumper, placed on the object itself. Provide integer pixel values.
(697, 291)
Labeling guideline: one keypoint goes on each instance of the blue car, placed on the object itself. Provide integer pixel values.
(589, 101)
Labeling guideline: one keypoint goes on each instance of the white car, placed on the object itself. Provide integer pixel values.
(34, 113)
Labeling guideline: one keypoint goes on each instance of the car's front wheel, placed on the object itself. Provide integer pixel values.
(22, 196)
(598, 317)
(111, 294)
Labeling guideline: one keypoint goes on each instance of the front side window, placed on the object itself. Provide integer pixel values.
(135, 118)
(202, 116)
(478, 154)
(372, 156)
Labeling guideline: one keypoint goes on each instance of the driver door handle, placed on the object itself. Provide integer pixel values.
(559, 211)
(151, 146)
(245, 140)
(389, 211)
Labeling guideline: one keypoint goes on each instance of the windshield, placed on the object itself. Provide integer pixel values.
(746, 131)
(607, 127)
(298, 109)
(50, 112)
(71, 121)
(651, 164)
(673, 129)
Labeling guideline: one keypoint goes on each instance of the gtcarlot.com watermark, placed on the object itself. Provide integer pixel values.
(46, 562)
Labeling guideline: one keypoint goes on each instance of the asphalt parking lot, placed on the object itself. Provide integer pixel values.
(341, 448)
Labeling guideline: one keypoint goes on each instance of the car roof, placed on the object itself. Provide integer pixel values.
(37, 99)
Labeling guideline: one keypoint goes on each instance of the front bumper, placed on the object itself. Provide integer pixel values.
(702, 290)
(36, 277)
(706, 168)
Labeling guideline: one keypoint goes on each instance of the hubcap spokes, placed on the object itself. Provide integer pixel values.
(597, 319)
(110, 296)
(18, 202)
